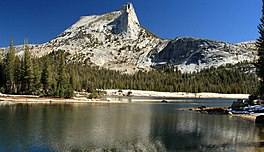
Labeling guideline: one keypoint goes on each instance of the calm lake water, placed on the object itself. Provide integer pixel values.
(126, 127)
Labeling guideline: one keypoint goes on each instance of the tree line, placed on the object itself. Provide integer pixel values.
(260, 64)
(52, 75)
(25, 74)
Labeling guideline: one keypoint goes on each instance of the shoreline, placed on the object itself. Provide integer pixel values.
(6, 99)
(31, 99)
(143, 93)
(250, 117)
(223, 111)
(17, 99)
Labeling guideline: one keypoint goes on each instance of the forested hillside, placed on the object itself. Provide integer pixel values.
(53, 75)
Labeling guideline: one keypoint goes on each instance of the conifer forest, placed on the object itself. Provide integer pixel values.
(54, 75)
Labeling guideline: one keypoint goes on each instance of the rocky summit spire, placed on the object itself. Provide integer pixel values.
(129, 9)
(127, 23)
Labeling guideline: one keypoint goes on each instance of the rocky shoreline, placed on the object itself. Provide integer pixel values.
(224, 111)
(212, 111)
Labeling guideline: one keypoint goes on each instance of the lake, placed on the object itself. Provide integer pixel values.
(136, 126)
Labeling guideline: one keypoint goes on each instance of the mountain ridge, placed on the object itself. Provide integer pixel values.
(117, 41)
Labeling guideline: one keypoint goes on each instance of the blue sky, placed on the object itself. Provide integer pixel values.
(224, 20)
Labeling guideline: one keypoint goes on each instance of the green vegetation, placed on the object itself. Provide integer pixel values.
(27, 72)
(52, 75)
(93, 95)
(1, 72)
(260, 63)
(9, 69)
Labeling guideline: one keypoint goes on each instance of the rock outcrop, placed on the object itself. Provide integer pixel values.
(192, 54)
(117, 41)
(260, 119)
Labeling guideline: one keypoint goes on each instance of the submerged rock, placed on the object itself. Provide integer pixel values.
(260, 119)
(214, 111)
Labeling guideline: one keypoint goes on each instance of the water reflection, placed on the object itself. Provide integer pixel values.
(192, 132)
(122, 127)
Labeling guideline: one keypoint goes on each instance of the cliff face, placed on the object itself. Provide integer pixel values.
(117, 41)
(192, 54)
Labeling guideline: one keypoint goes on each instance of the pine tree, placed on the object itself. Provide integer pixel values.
(27, 74)
(47, 77)
(260, 46)
(18, 73)
(62, 79)
(73, 75)
(1, 70)
(36, 77)
(1, 56)
(9, 68)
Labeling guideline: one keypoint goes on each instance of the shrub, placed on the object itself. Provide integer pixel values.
(93, 95)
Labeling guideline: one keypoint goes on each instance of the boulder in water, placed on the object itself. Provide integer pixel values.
(260, 119)
(164, 101)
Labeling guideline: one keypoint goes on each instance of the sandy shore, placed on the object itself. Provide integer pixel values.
(176, 94)
(17, 99)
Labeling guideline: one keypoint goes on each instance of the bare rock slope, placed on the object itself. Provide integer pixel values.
(192, 54)
(117, 41)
